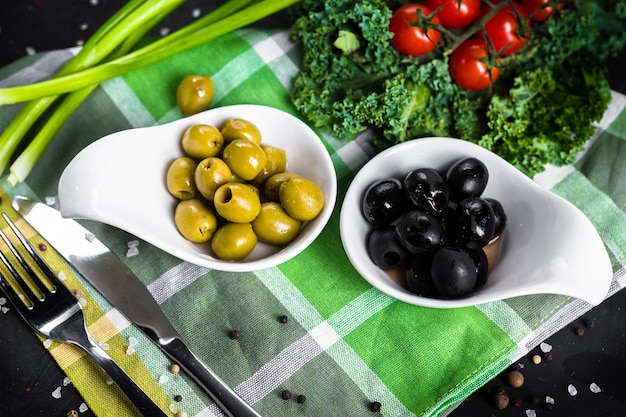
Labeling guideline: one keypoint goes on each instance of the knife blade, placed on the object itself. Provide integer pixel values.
(125, 291)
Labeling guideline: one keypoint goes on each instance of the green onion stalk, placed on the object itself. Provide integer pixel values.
(107, 54)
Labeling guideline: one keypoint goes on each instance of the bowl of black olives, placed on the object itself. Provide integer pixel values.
(442, 222)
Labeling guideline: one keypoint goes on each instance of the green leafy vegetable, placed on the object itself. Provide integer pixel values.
(539, 111)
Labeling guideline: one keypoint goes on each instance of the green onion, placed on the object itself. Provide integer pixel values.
(106, 55)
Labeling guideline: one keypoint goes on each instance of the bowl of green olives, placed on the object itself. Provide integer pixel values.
(445, 223)
(207, 188)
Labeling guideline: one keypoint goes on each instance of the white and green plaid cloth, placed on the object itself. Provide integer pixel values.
(345, 343)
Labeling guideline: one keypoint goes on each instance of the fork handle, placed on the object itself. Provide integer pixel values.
(136, 395)
(230, 403)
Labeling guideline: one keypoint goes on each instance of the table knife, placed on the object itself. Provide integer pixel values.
(125, 291)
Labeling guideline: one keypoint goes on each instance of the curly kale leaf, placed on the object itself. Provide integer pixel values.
(546, 117)
(539, 111)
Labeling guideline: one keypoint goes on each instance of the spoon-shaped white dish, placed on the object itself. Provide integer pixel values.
(120, 180)
(549, 246)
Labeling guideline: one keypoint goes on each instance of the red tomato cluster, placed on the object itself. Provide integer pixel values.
(417, 29)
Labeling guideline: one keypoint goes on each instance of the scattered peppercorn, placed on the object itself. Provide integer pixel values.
(501, 400)
(515, 379)
(579, 331)
(78, 294)
(174, 368)
(301, 399)
(536, 359)
(375, 406)
(178, 398)
(43, 247)
(283, 319)
(517, 402)
(590, 323)
(181, 414)
(548, 356)
(72, 413)
(285, 394)
(234, 334)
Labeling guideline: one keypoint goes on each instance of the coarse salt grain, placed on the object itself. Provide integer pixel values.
(56, 393)
(90, 237)
(30, 50)
(66, 381)
(51, 201)
(3, 301)
(549, 400)
(571, 389)
(545, 347)
(4, 309)
(195, 13)
(94, 2)
(162, 379)
(164, 31)
(531, 413)
(82, 302)
(47, 343)
(104, 345)
(83, 407)
(84, 26)
(594, 388)
(132, 342)
(62, 276)
(133, 248)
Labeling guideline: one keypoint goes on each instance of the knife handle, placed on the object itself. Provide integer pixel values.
(229, 402)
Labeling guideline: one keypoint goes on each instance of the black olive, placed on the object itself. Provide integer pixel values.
(418, 279)
(384, 249)
(466, 178)
(475, 222)
(482, 266)
(420, 232)
(499, 215)
(384, 201)
(453, 272)
(426, 188)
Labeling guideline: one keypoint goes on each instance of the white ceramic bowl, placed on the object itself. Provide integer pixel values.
(549, 246)
(120, 180)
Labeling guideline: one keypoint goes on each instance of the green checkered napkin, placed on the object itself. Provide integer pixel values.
(345, 343)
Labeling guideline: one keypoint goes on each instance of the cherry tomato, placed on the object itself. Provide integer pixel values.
(504, 26)
(411, 40)
(539, 10)
(467, 67)
(455, 13)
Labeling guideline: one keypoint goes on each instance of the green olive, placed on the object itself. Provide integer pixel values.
(276, 163)
(236, 128)
(234, 241)
(273, 183)
(202, 141)
(274, 226)
(194, 220)
(301, 198)
(210, 174)
(237, 203)
(194, 94)
(244, 158)
(180, 178)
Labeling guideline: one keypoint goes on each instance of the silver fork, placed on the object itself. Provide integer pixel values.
(56, 314)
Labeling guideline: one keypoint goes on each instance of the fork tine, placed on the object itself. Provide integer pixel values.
(43, 265)
(28, 292)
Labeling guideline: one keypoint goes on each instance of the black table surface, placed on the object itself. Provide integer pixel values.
(29, 376)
